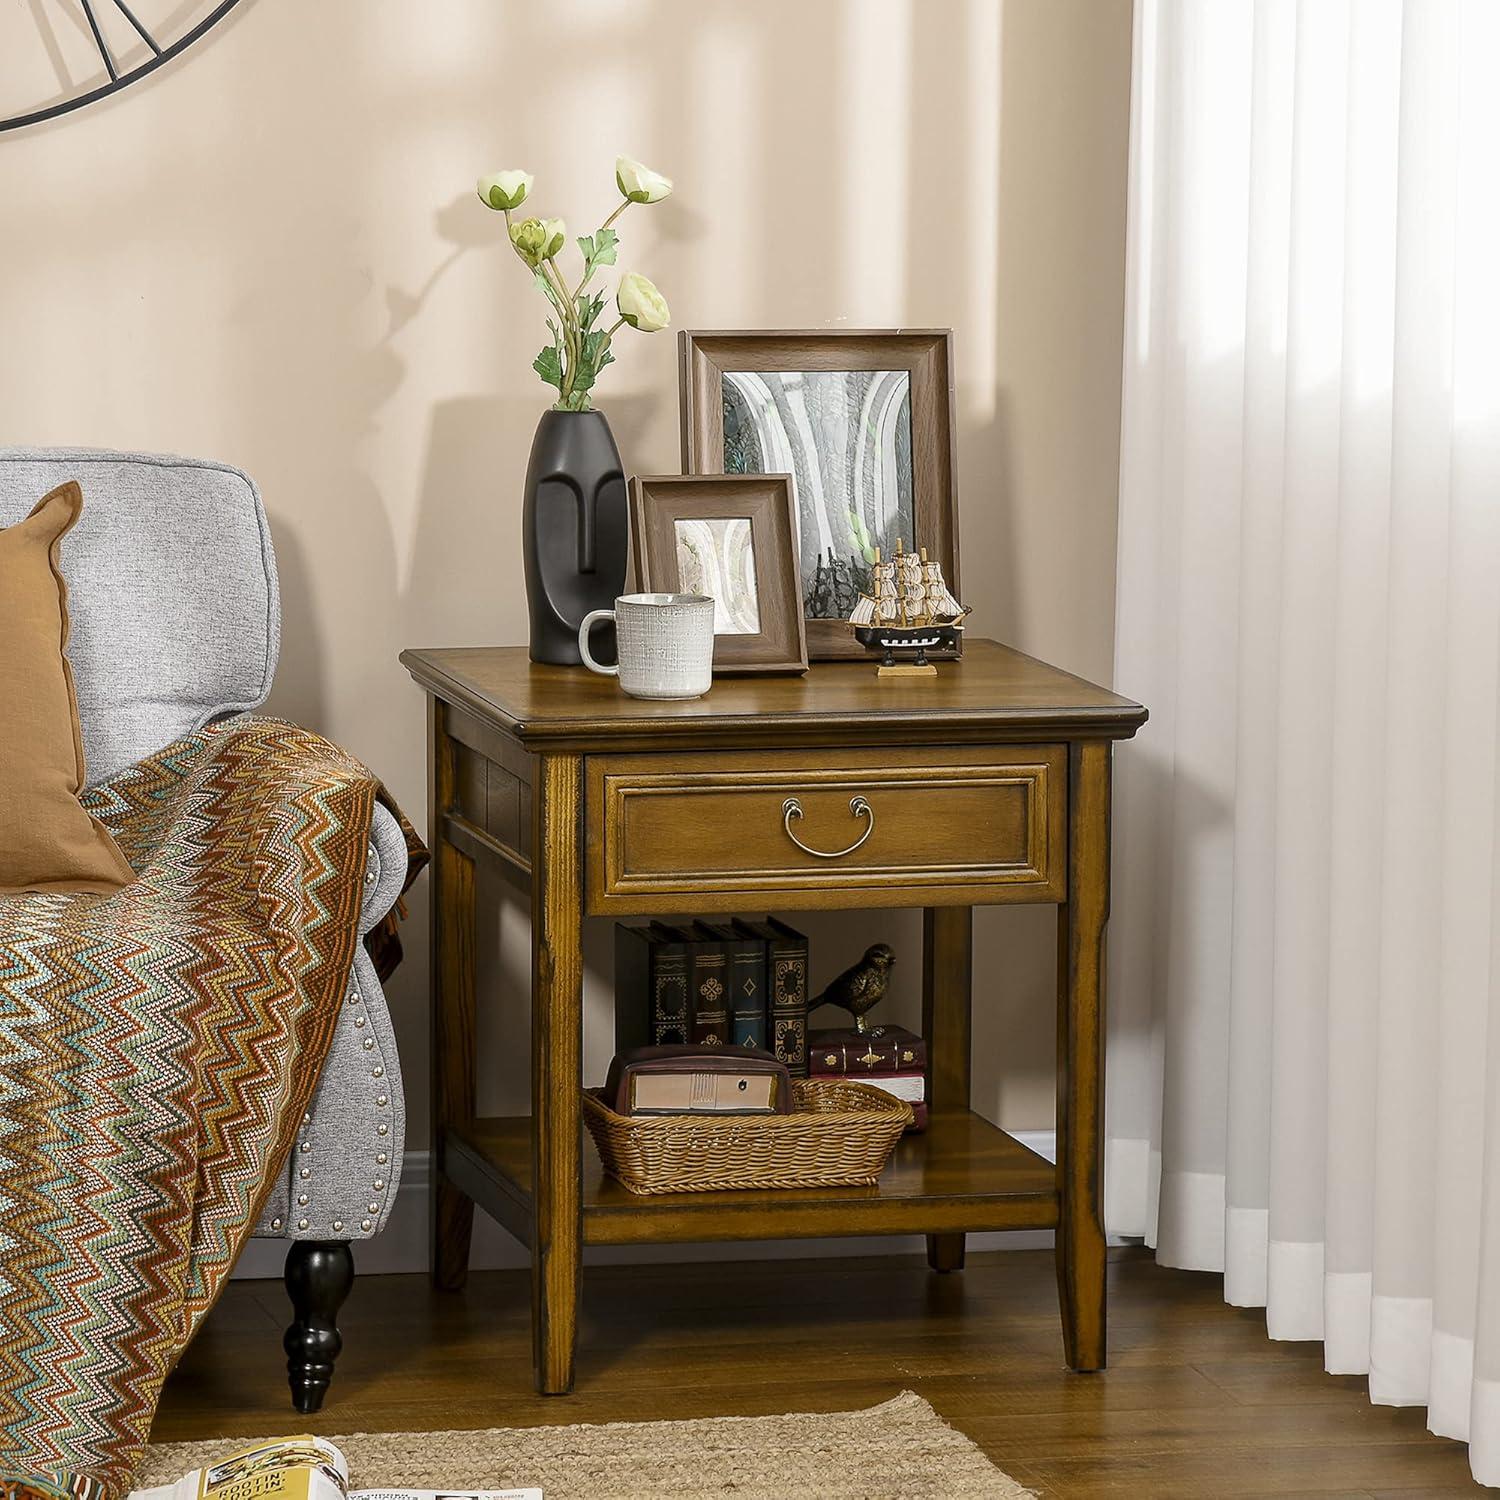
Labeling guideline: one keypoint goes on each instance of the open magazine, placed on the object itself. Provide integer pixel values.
(297, 1468)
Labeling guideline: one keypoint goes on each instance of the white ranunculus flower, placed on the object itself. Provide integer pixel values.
(501, 190)
(639, 184)
(641, 305)
(557, 237)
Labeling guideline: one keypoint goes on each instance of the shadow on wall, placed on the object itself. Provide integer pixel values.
(466, 546)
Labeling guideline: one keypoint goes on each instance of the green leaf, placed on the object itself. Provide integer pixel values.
(598, 250)
(589, 309)
(548, 365)
(593, 344)
(604, 247)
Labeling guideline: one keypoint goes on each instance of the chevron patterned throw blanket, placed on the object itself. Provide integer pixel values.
(157, 1050)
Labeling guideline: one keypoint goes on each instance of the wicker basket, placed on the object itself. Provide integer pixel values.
(837, 1135)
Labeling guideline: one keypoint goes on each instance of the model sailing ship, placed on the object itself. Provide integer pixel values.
(911, 611)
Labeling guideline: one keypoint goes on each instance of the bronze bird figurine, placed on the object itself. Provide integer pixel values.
(860, 987)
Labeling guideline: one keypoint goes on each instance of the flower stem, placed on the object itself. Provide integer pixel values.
(569, 312)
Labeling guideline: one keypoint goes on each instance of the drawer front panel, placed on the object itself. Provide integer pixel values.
(718, 832)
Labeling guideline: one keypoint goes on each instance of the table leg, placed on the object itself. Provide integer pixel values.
(1080, 1080)
(556, 1067)
(947, 992)
(451, 889)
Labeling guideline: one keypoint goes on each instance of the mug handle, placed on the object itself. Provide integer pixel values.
(589, 621)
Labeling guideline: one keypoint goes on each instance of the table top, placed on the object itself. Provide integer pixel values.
(993, 694)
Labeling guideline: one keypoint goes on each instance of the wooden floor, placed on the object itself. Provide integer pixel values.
(1196, 1401)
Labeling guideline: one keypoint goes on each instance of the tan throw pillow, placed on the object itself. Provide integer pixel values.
(47, 841)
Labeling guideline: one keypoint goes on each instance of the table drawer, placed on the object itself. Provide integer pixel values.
(730, 831)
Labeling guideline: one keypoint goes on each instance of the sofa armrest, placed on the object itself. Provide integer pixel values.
(385, 870)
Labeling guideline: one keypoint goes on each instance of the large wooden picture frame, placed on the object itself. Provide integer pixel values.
(870, 446)
(733, 537)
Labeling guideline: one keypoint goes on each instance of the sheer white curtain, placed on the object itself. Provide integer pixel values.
(1304, 1078)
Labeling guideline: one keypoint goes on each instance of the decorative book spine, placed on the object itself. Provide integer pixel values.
(855, 1054)
(708, 967)
(786, 964)
(671, 999)
(650, 988)
(746, 977)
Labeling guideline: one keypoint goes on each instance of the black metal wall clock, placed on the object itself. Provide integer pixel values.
(58, 55)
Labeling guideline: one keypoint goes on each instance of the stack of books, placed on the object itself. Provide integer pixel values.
(713, 984)
(886, 1057)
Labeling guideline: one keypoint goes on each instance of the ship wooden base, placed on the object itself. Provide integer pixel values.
(906, 669)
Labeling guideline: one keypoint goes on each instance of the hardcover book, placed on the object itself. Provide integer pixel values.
(746, 978)
(910, 1087)
(853, 1054)
(708, 988)
(786, 983)
(651, 987)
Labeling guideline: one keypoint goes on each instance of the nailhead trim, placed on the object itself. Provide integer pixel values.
(305, 1146)
(338, 1223)
(275, 1223)
(365, 1225)
(304, 1173)
(382, 1158)
(374, 1208)
(382, 1130)
(301, 1200)
(377, 1072)
(301, 1223)
(380, 1184)
(369, 1042)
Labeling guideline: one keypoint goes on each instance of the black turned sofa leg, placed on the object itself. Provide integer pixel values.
(318, 1276)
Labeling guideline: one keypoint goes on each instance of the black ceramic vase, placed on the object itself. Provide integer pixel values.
(575, 533)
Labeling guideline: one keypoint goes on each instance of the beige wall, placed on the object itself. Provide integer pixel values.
(271, 253)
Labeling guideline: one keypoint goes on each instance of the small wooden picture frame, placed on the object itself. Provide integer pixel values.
(864, 418)
(734, 538)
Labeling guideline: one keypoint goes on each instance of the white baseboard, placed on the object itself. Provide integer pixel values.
(402, 1245)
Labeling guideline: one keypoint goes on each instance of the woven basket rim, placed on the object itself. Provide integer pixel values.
(877, 1107)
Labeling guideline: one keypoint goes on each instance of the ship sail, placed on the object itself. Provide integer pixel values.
(909, 591)
(941, 602)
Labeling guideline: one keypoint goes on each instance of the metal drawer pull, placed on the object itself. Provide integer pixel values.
(858, 808)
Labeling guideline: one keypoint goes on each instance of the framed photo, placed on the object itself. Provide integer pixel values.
(863, 420)
(734, 538)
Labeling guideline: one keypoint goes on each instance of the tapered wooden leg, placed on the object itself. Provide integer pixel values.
(947, 993)
(1080, 1074)
(556, 1068)
(452, 977)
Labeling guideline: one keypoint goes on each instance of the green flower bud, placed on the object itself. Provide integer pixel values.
(530, 239)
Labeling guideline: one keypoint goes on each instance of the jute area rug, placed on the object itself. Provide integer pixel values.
(900, 1450)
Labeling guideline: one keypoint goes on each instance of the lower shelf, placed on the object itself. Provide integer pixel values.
(962, 1174)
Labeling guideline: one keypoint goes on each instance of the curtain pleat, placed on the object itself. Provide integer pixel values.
(1304, 1075)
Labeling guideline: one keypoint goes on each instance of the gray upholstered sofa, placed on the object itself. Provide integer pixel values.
(176, 621)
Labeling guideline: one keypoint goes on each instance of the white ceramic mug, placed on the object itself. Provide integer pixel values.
(666, 644)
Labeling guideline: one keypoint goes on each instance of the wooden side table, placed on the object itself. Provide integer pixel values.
(989, 785)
